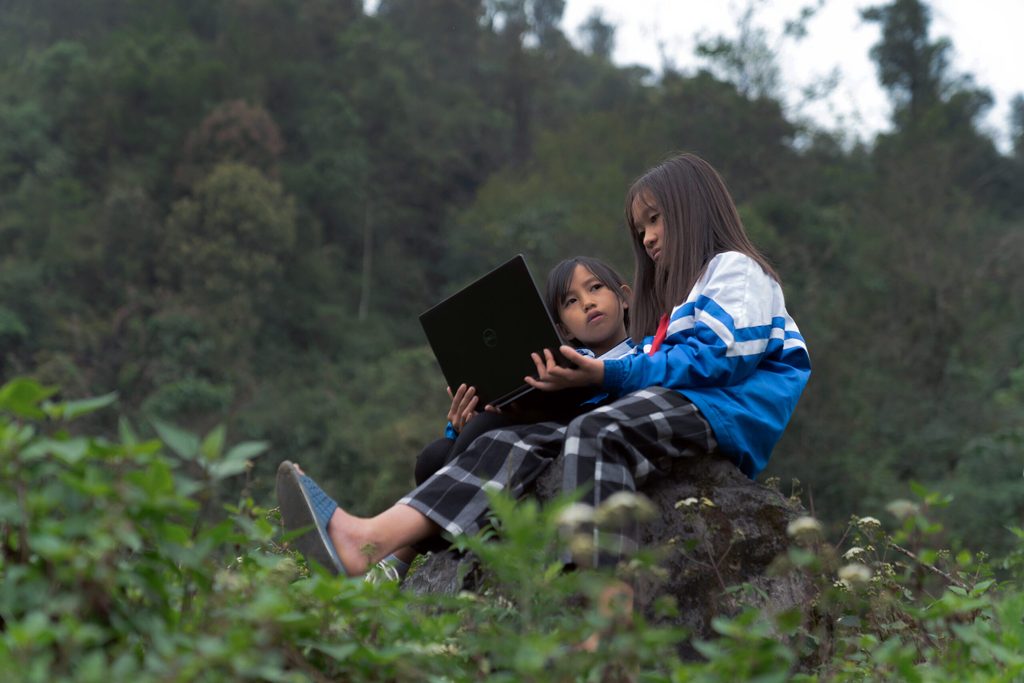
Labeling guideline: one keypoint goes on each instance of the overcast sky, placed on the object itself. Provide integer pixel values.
(985, 36)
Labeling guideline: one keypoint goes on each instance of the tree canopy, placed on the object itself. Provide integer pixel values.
(234, 212)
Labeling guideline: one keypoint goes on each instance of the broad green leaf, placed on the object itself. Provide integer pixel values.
(227, 468)
(22, 396)
(336, 651)
(126, 432)
(247, 450)
(184, 443)
(74, 409)
(70, 451)
(213, 444)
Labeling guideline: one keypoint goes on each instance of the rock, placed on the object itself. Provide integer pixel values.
(729, 536)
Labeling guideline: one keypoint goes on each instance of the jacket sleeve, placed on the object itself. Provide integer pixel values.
(718, 339)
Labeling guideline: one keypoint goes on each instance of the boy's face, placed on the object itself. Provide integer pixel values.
(592, 313)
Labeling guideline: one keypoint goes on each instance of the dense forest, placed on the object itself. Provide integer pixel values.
(233, 212)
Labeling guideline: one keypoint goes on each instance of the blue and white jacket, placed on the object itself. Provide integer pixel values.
(733, 350)
(621, 349)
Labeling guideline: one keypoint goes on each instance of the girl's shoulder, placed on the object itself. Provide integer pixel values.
(732, 261)
(736, 284)
(733, 269)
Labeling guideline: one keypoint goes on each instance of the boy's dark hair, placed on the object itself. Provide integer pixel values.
(700, 220)
(560, 278)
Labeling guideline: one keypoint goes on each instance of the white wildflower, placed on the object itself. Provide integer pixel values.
(854, 574)
(581, 549)
(853, 553)
(686, 502)
(804, 528)
(901, 509)
(624, 507)
(868, 523)
(707, 502)
(575, 515)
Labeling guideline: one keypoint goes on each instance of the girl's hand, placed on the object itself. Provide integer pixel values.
(464, 402)
(552, 377)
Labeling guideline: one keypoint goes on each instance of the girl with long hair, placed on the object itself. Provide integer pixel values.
(719, 369)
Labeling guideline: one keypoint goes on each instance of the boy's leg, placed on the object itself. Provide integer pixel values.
(615, 447)
(455, 499)
(437, 455)
(433, 457)
(479, 425)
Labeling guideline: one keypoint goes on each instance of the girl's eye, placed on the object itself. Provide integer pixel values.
(596, 287)
(569, 302)
(654, 218)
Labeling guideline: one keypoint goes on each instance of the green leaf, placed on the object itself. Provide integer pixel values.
(213, 444)
(22, 396)
(70, 451)
(338, 652)
(184, 443)
(227, 468)
(789, 621)
(247, 450)
(75, 409)
(126, 432)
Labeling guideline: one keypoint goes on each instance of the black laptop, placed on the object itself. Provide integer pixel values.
(482, 335)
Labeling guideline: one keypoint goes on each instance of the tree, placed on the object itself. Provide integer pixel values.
(235, 131)
(223, 250)
(1017, 125)
(598, 36)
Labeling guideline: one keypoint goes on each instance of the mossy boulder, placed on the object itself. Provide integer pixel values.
(715, 529)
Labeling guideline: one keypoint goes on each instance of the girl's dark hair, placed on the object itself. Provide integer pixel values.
(560, 278)
(700, 220)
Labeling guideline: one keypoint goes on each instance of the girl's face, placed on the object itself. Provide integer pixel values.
(592, 313)
(650, 224)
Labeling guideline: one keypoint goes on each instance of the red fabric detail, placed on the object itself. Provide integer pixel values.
(659, 336)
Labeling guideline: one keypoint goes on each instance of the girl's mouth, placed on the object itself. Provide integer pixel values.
(594, 317)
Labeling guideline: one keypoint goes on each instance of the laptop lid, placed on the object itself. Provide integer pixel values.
(482, 335)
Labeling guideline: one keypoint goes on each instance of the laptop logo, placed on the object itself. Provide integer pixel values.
(490, 338)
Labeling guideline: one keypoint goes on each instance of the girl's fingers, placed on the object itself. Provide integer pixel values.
(456, 407)
(461, 396)
(541, 367)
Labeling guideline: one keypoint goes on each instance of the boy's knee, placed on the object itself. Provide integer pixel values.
(431, 459)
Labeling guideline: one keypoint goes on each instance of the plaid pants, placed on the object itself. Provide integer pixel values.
(612, 448)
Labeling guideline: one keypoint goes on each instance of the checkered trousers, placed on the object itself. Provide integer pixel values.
(612, 448)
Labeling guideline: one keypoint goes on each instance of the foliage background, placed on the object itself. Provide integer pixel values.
(232, 212)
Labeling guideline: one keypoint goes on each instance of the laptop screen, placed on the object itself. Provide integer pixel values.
(483, 334)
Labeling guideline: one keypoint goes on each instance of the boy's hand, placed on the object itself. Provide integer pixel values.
(464, 402)
(552, 377)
